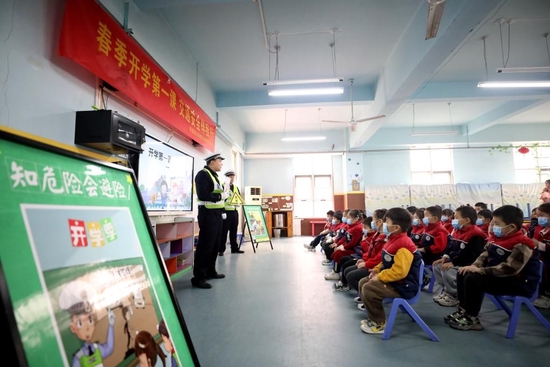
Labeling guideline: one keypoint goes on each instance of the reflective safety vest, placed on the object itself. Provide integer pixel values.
(228, 205)
(218, 189)
(93, 360)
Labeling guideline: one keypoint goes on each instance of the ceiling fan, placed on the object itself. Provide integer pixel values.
(353, 122)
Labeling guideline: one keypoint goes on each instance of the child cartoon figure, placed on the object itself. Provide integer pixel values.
(148, 351)
(77, 299)
(167, 346)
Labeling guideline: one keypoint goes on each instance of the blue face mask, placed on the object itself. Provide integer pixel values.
(426, 221)
(385, 229)
(455, 224)
(333, 221)
(497, 231)
(415, 222)
(345, 220)
(365, 231)
(328, 219)
(479, 221)
(444, 218)
(543, 221)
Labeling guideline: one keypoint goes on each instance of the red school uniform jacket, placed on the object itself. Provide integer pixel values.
(417, 232)
(484, 228)
(353, 236)
(448, 225)
(373, 255)
(367, 240)
(435, 238)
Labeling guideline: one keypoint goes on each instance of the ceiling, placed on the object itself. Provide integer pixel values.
(380, 44)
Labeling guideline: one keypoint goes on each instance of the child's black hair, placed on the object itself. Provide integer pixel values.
(400, 217)
(467, 212)
(481, 205)
(510, 215)
(485, 213)
(435, 211)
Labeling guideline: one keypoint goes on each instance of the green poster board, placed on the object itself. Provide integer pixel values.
(81, 266)
(256, 223)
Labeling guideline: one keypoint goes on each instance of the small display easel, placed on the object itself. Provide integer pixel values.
(254, 221)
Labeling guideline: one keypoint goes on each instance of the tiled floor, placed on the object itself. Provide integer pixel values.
(274, 308)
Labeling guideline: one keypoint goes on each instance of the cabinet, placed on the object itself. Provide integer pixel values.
(281, 220)
(176, 241)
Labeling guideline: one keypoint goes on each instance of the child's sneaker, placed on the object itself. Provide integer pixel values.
(361, 306)
(358, 300)
(448, 301)
(455, 315)
(542, 302)
(467, 322)
(373, 328)
(332, 276)
(367, 322)
(337, 284)
(312, 249)
(306, 245)
(439, 296)
(341, 287)
(326, 262)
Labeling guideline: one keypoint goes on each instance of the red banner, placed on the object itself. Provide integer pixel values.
(92, 38)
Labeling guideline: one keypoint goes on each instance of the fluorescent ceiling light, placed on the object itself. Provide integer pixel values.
(303, 81)
(452, 132)
(435, 12)
(536, 69)
(305, 138)
(510, 84)
(304, 92)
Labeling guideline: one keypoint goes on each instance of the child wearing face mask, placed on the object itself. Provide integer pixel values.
(418, 227)
(446, 219)
(397, 274)
(509, 265)
(466, 245)
(484, 218)
(541, 238)
(347, 244)
(339, 230)
(435, 237)
(529, 228)
(326, 230)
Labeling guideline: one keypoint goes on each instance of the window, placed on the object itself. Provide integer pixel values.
(533, 166)
(431, 166)
(313, 196)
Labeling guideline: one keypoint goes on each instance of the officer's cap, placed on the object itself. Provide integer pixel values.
(230, 173)
(213, 156)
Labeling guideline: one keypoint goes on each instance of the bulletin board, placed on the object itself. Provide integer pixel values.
(81, 268)
(279, 203)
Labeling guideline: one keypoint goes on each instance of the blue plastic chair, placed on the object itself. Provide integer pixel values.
(432, 279)
(405, 306)
(500, 303)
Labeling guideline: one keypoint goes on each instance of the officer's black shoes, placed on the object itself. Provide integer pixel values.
(216, 276)
(237, 251)
(220, 253)
(199, 283)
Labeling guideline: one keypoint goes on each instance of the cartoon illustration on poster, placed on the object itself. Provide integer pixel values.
(106, 312)
(256, 223)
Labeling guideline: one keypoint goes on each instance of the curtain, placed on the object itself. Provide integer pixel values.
(524, 196)
(386, 197)
(488, 193)
(423, 196)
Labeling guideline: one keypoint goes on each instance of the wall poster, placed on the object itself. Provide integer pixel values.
(81, 265)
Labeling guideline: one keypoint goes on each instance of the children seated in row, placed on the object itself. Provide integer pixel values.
(338, 231)
(509, 265)
(372, 255)
(484, 218)
(541, 239)
(467, 244)
(326, 230)
(480, 206)
(395, 276)
(435, 237)
(347, 244)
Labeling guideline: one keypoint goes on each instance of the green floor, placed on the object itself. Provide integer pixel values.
(275, 309)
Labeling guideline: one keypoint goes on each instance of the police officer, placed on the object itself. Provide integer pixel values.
(231, 221)
(211, 208)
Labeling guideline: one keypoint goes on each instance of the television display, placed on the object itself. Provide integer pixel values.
(165, 177)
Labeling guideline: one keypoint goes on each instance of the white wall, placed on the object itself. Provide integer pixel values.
(478, 165)
(275, 176)
(387, 168)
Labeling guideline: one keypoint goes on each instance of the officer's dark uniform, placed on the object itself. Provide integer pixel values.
(230, 223)
(211, 207)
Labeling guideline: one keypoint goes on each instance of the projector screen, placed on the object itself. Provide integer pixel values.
(165, 177)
